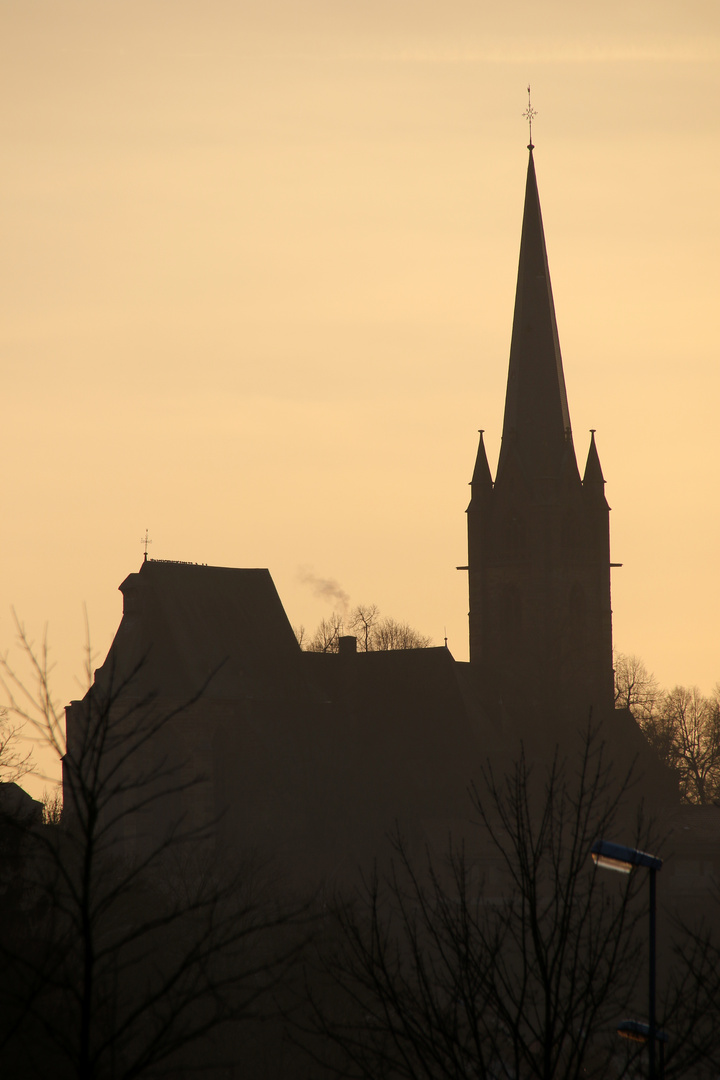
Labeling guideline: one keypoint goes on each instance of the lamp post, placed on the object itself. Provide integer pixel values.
(636, 1031)
(618, 857)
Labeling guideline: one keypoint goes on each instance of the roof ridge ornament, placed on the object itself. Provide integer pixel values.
(145, 541)
(530, 115)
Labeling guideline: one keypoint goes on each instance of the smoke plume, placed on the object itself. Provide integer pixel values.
(326, 588)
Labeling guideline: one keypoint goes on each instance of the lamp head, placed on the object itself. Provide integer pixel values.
(636, 1031)
(618, 857)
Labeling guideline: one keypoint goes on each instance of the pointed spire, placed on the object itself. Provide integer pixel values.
(481, 484)
(537, 418)
(593, 480)
(481, 477)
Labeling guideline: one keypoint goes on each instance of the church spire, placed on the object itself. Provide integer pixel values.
(538, 538)
(537, 421)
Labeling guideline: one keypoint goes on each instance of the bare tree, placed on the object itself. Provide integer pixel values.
(689, 729)
(52, 806)
(374, 632)
(15, 759)
(690, 1003)
(390, 634)
(135, 952)
(363, 622)
(682, 725)
(512, 958)
(326, 638)
(636, 688)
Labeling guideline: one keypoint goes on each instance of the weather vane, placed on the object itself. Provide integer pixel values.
(144, 540)
(530, 115)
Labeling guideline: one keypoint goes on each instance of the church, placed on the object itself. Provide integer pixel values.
(538, 536)
(316, 756)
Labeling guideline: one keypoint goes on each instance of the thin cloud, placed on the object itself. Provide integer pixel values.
(689, 51)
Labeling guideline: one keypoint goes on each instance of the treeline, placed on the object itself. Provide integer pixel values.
(682, 725)
(373, 631)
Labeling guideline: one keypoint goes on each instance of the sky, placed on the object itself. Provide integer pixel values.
(257, 271)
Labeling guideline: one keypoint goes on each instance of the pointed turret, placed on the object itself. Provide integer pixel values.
(537, 419)
(481, 482)
(593, 480)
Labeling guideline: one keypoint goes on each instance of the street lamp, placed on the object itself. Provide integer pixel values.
(618, 857)
(638, 1032)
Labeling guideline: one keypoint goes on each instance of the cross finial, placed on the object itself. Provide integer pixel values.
(530, 115)
(144, 540)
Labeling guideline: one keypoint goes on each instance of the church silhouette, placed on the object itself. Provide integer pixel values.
(538, 537)
(316, 757)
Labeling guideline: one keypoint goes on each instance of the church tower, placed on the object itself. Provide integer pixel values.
(538, 537)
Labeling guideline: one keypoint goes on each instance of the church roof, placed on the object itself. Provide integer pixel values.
(186, 626)
(405, 730)
(537, 419)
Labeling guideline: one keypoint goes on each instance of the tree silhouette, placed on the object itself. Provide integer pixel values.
(636, 688)
(682, 725)
(688, 732)
(512, 957)
(374, 632)
(140, 943)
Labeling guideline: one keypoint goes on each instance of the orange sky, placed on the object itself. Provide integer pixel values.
(258, 270)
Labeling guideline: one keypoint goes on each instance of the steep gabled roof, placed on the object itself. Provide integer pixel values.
(187, 626)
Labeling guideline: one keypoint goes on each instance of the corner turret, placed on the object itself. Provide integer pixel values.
(481, 483)
(593, 480)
